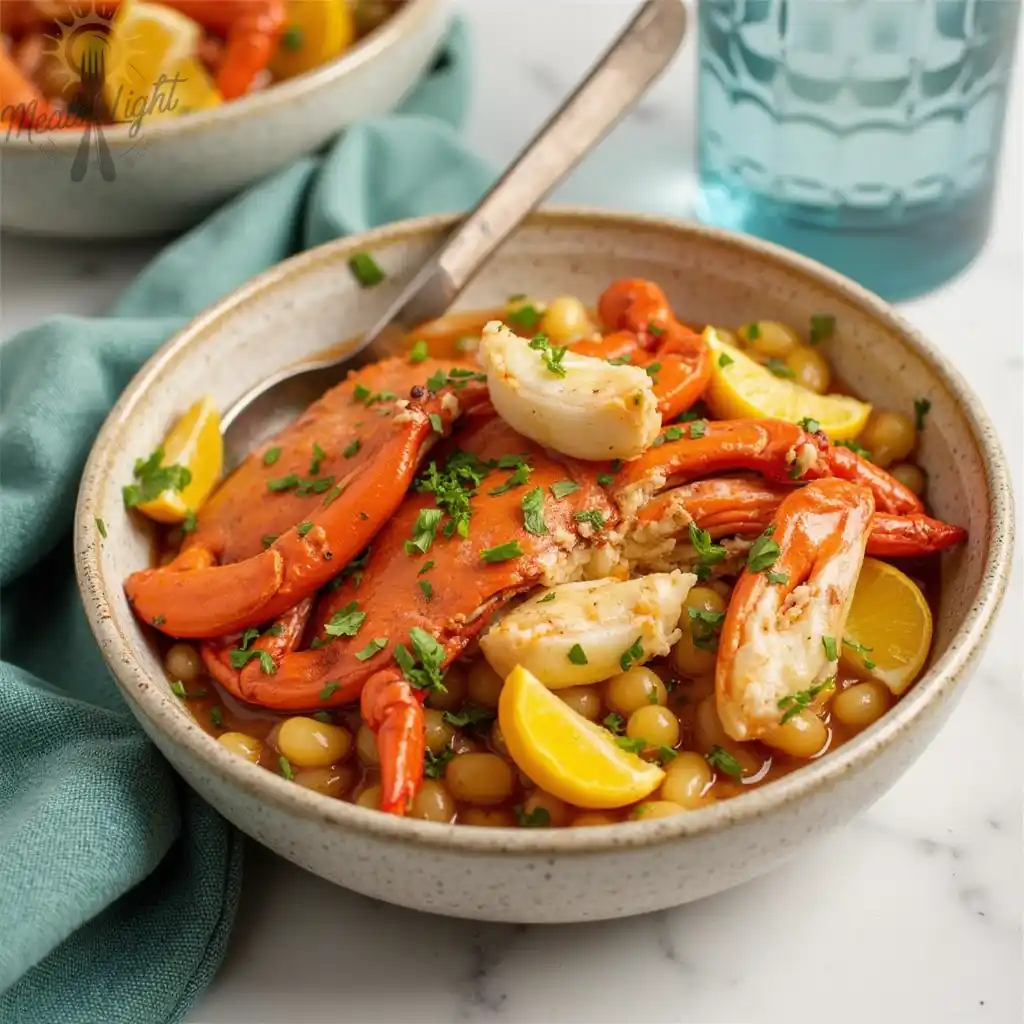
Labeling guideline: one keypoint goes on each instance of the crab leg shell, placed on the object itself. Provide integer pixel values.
(890, 494)
(394, 711)
(773, 642)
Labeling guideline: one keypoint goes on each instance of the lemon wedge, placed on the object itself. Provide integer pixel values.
(889, 629)
(563, 753)
(744, 389)
(153, 70)
(316, 31)
(195, 443)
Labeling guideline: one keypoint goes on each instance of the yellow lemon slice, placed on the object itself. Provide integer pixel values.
(316, 31)
(563, 753)
(744, 389)
(195, 443)
(891, 625)
(153, 70)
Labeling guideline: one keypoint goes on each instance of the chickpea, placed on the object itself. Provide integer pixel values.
(336, 781)
(482, 779)
(858, 705)
(709, 732)
(557, 810)
(463, 744)
(483, 684)
(498, 740)
(635, 688)
(366, 747)
(308, 743)
(911, 476)
(687, 779)
(889, 436)
(242, 744)
(454, 694)
(804, 735)
(810, 369)
(437, 731)
(369, 797)
(691, 655)
(769, 338)
(433, 803)
(588, 819)
(654, 724)
(656, 809)
(584, 700)
(487, 819)
(566, 321)
(183, 662)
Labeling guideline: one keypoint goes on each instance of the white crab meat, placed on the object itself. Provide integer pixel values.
(577, 633)
(595, 411)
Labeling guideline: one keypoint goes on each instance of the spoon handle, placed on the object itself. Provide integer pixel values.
(619, 78)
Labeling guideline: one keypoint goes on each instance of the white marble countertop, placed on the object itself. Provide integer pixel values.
(912, 913)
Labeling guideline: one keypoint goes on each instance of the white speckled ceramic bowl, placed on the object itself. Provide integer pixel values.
(175, 171)
(570, 874)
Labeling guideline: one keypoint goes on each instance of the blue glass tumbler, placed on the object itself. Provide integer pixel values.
(863, 133)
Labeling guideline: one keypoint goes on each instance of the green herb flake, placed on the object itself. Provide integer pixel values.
(698, 428)
(345, 622)
(823, 326)
(604, 479)
(666, 754)
(434, 764)
(725, 360)
(292, 38)
(779, 368)
(435, 423)
(552, 356)
(539, 817)
(428, 590)
(533, 512)
(619, 361)
(861, 650)
(424, 531)
(708, 554)
(419, 351)
(632, 654)
(577, 655)
(469, 716)
(563, 488)
(286, 768)
(102, 527)
(365, 269)
(303, 528)
(519, 477)
(178, 688)
(651, 370)
(352, 448)
(271, 455)
(283, 483)
(753, 331)
(550, 596)
(792, 704)
(421, 667)
(159, 620)
(922, 406)
(502, 552)
(591, 516)
(324, 716)
(631, 745)
(829, 643)
(705, 627)
(721, 760)
(427, 566)
(329, 690)
(810, 425)
(524, 315)
(857, 449)
(189, 523)
(318, 456)
(763, 552)
(777, 577)
(375, 646)
(152, 479)
(615, 724)
(216, 717)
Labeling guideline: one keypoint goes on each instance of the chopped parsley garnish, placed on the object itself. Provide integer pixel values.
(352, 448)
(539, 817)
(419, 351)
(428, 590)
(753, 331)
(422, 666)
(190, 522)
(810, 425)
(426, 567)
(216, 717)
(857, 449)
(722, 760)
(619, 360)
(329, 690)
(292, 38)
(503, 552)
(283, 483)
(614, 723)
(469, 716)
(520, 476)
(779, 368)
(552, 356)
(453, 488)
(153, 479)
(823, 325)
(563, 488)
(271, 455)
(708, 554)
(633, 746)
(269, 538)
(436, 425)
(604, 479)
(777, 577)
(303, 528)
(654, 330)
(345, 622)
(524, 315)
(533, 512)
(434, 764)
(666, 754)
(240, 657)
(829, 643)
(652, 370)
(725, 360)
(631, 654)
(591, 516)
(301, 486)
(424, 531)
(324, 716)
(672, 434)
(352, 571)
(159, 620)
(547, 597)
(102, 527)
(332, 496)
(577, 655)
(467, 344)
(318, 456)
(705, 627)
(361, 393)
(922, 406)
(698, 428)
(792, 704)
(375, 646)
(861, 650)
(365, 269)
(286, 768)
(763, 552)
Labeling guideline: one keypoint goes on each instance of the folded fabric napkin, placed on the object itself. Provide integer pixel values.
(118, 886)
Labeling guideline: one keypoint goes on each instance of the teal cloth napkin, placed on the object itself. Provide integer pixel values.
(118, 885)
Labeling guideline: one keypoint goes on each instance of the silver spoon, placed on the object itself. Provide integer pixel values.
(614, 84)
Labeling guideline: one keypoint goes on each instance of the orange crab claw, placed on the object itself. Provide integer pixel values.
(394, 711)
(890, 494)
(781, 631)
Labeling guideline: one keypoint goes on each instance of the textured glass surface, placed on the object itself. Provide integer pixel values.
(865, 133)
